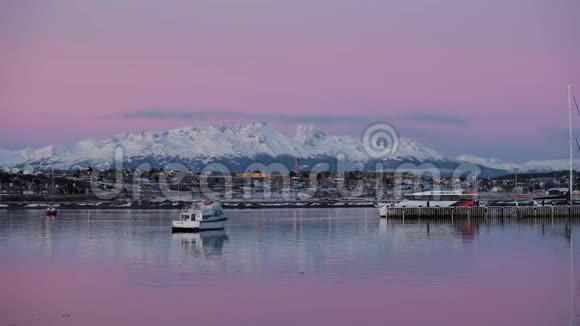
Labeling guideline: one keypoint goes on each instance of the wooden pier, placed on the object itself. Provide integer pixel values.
(483, 212)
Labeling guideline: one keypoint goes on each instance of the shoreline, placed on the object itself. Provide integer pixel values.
(180, 205)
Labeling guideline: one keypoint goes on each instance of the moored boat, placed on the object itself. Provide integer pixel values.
(50, 211)
(200, 216)
(433, 198)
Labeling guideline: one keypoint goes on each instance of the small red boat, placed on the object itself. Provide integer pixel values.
(50, 211)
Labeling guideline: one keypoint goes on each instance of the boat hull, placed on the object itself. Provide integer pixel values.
(196, 226)
(420, 204)
(383, 211)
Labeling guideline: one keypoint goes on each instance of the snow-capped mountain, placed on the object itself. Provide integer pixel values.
(237, 146)
(530, 166)
(234, 146)
(488, 162)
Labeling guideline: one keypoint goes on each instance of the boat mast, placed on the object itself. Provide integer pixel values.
(570, 126)
(516, 185)
(572, 281)
(51, 186)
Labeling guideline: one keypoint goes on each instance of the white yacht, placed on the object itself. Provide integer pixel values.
(204, 215)
(433, 198)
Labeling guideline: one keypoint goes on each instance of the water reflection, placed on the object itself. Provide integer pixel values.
(204, 244)
(468, 230)
(296, 263)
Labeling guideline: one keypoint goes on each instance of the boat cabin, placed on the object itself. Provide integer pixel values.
(201, 211)
(190, 215)
(442, 196)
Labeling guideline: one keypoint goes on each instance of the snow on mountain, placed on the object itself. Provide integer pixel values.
(488, 162)
(548, 165)
(210, 143)
(316, 143)
(237, 145)
(530, 166)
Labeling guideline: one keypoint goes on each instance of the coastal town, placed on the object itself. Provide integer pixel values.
(161, 188)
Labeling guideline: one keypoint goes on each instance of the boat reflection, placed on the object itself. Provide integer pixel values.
(464, 231)
(468, 231)
(202, 244)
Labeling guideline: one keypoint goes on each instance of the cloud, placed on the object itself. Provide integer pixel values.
(319, 119)
(434, 118)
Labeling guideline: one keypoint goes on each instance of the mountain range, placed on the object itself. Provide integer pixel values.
(529, 166)
(238, 146)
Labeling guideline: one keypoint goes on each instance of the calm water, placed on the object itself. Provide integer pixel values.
(283, 267)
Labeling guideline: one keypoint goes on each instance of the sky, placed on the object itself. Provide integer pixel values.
(479, 77)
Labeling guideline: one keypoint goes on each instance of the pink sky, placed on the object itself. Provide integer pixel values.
(499, 68)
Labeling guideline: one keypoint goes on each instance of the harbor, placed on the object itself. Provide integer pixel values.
(510, 212)
(299, 258)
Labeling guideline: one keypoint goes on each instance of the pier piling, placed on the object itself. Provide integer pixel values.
(518, 212)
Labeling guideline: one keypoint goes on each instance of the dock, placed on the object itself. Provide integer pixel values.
(482, 212)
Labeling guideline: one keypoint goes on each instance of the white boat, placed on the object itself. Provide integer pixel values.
(200, 216)
(433, 198)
